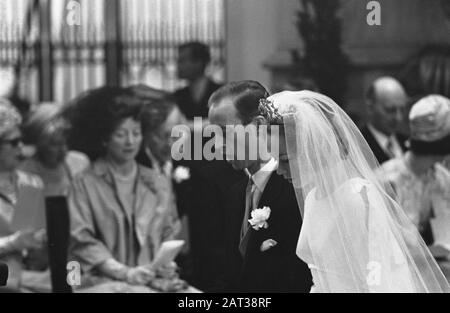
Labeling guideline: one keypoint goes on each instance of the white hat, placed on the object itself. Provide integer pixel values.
(430, 118)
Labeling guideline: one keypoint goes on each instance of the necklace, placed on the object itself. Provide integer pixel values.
(123, 177)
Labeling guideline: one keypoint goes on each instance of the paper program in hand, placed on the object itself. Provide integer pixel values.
(167, 253)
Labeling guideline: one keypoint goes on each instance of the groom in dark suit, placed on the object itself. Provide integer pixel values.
(260, 259)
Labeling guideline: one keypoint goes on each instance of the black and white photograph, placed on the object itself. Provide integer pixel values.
(224, 152)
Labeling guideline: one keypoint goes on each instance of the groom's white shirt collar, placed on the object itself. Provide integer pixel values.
(261, 177)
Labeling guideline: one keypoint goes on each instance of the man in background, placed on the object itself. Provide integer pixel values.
(386, 102)
(193, 59)
(420, 179)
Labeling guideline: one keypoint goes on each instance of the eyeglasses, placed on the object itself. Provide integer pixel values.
(14, 142)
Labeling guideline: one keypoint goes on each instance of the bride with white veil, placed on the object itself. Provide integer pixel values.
(354, 237)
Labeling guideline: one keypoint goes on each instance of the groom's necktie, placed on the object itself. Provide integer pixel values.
(249, 193)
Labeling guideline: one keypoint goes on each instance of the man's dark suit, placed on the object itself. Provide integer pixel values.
(277, 269)
(207, 224)
(189, 107)
(377, 150)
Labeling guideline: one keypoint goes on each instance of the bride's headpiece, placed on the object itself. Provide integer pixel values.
(268, 110)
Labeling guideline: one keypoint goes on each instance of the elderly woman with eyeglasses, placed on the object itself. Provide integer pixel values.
(22, 249)
(47, 130)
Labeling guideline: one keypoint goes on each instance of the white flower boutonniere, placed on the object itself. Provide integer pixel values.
(181, 173)
(259, 218)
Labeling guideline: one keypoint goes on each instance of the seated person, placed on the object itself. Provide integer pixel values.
(159, 117)
(52, 162)
(420, 180)
(121, 212)
(23, 250)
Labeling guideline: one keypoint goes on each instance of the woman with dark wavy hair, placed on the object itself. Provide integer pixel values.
(121, 211)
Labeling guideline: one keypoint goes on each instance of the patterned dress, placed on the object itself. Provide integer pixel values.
(421, 196)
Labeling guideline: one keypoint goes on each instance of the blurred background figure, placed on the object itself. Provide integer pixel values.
(193, 59)
(121, 211)
(47, 131)
(386, 102)
(159, 117)
(24, 250)
(420, 180)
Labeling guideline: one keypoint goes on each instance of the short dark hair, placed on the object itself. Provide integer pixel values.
(96, 114)
(246, 96)
(156, 112)
(198, 51)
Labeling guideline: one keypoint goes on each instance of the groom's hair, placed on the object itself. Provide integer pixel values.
(245, 95)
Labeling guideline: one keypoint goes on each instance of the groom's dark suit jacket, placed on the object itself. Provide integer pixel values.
(277, 269)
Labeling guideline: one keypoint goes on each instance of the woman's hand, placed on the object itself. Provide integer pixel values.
(141, 275)
(23, 240)
(168, 271)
